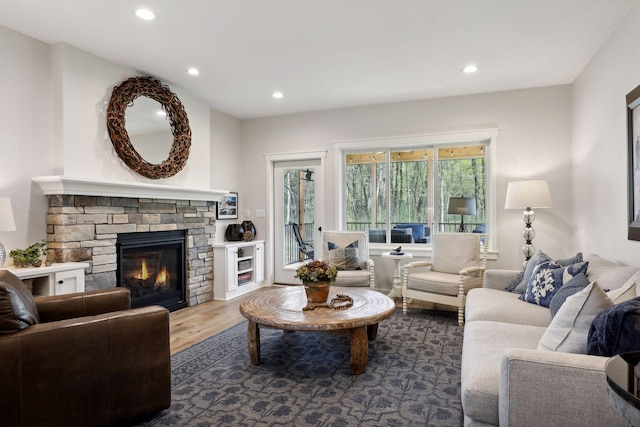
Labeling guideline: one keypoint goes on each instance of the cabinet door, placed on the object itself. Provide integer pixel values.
(68, 282)
(258, 261)
(232, 269)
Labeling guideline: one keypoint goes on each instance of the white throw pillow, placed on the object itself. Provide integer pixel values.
(569, 329)
(625, 293)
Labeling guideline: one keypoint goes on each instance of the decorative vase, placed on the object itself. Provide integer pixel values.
(249, 231)
(317, 292)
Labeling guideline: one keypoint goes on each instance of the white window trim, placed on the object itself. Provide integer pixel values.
(489, 136)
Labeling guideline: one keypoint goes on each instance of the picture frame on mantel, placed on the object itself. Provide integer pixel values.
(227, 207)
(633, 163)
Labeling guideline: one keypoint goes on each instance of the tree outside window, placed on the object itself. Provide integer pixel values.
(391, 191)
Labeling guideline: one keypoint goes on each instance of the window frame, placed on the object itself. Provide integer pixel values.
(488, 137)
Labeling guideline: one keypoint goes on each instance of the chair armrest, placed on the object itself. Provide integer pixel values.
(472, 269)
(59, 307)
(417, 264)
(370, 264)
(107, 368)
(554, 389)
(499, 279)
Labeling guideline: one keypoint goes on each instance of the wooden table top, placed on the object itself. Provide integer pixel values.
(282, 309)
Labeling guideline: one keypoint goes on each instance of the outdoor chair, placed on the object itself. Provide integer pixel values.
(458, 262)
(348, 251)
(305, 248)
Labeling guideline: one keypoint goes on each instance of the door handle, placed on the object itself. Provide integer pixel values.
(319, 228)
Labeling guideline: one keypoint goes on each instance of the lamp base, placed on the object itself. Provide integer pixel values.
(3, 255)
(528, 233)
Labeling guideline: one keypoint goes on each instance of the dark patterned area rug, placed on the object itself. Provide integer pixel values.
(412, 378)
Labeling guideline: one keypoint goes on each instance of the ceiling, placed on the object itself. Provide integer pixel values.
(327, 54)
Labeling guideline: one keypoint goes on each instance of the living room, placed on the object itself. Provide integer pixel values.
(572, 133)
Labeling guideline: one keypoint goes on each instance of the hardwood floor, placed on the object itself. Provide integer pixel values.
(193, 324)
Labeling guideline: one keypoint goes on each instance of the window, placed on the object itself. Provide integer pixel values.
(401, 193)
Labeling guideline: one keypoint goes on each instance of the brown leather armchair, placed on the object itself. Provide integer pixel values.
(89, 361)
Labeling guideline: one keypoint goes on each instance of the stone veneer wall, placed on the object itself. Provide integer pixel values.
(85, 228)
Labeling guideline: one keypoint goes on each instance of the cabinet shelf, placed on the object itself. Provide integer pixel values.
(234, 275)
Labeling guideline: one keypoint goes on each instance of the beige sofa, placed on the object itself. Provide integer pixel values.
(506, 381)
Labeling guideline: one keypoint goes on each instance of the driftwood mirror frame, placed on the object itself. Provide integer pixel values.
(122, 97)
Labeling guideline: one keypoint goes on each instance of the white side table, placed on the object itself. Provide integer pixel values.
(396, 290)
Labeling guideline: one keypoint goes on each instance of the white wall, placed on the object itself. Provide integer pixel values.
(25, 133)
(87, 82)
(53, 121)
(600, 144)
(534, 142)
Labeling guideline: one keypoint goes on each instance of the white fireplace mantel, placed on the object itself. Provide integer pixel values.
(59, 184)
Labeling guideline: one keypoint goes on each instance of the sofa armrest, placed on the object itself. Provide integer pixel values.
(100, 370)
(499, 279)
(554, 389)
(60, 307)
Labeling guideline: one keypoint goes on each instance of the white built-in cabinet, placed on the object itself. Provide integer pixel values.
(56, 279)
(238, 268)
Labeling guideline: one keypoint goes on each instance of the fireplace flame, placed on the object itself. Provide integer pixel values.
(143, 274)
(162, 279)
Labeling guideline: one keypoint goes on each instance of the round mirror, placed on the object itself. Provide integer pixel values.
(146, 155)
(149, 130)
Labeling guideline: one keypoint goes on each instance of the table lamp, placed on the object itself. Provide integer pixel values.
(462, 206)
(527, 195)
(7, 223)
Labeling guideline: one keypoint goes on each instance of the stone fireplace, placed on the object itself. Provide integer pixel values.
(85, 228)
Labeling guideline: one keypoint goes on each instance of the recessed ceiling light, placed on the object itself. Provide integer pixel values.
(193, 71)
(278, 95)
(470, 69)
(145, 14)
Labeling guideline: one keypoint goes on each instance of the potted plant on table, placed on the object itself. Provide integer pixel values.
(29, 256)
(316, 277)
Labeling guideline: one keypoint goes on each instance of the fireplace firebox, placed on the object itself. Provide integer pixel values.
(152, 266)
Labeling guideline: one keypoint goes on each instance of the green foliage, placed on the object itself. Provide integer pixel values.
(30, 255)
(316, 271)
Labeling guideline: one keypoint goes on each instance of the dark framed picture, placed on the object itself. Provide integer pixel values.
(633, 163)
(228, 207)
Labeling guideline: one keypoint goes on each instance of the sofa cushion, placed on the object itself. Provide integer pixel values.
(569, 329)
(573, 286)
(608, 274)
(500, 306)
(547, 278)
(17, 307)
(482, 348)
(453, 252)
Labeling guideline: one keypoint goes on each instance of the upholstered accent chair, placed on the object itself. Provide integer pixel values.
(348, 251)
(84, 359)
(458, 262)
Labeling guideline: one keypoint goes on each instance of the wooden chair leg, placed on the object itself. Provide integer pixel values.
(460, 316)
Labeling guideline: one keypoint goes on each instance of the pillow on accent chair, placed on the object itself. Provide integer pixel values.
(344, 258)
(17, 307)
(547, 278)
(569, 329)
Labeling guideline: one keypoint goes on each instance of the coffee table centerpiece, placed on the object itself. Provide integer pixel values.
(316, 277)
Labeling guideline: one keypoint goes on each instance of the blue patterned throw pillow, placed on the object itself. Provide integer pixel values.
(547, 278)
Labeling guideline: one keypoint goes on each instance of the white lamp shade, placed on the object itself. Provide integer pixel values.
(7, 223)
(462, 205)
(528, 194)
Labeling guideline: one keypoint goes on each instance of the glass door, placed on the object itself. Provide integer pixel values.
(297, 223)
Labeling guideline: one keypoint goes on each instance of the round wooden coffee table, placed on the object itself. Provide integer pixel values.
(282, 309)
